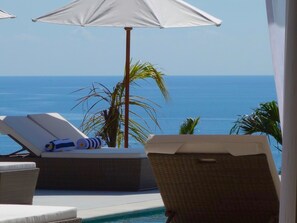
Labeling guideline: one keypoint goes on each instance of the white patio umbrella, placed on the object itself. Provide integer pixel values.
(5, 15)
(129, 14)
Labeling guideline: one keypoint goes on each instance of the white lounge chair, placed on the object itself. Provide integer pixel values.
(33, 132)
(37, 214)
(103, 169)
(215, 178)
(17, 182)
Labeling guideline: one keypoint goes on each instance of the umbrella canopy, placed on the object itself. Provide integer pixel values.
(128, 14)
(5, 15)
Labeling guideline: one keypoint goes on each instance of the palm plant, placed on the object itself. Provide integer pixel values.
(263, 120)
(189, 125)
(104, 114)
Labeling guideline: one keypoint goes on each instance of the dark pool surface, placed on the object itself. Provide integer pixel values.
(143, 217)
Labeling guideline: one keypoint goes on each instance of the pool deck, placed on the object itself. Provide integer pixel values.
(92, 204)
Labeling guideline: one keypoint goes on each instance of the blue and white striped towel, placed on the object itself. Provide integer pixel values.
(89, 143)
(59, 145)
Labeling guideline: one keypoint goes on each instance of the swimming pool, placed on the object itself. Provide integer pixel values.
(156, 216)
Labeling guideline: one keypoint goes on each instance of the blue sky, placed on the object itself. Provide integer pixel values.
(239, 47)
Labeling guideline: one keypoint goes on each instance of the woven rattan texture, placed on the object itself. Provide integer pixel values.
(113, 174)
(216, 187)
(18, 187)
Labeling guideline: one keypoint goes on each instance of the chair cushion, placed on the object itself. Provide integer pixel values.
(58, 126)
(6, 166)
(98, 153)
(36, 214)
(27, 132)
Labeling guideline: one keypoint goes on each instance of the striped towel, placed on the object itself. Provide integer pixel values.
(89, 143)
(59, 145)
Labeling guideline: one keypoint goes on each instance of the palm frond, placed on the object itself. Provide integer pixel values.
(104, 108)
(145, 71)
(189, 125)
(263, 120)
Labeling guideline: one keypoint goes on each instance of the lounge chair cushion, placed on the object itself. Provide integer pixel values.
(58, 126)
(34, 131)
(9, 166)
(36, 214)
(28, 133)
(98, 153)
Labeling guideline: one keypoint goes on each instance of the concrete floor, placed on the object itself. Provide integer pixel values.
(92, 204)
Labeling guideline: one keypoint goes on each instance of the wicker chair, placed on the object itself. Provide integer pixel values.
(17, 182)
(215, 178)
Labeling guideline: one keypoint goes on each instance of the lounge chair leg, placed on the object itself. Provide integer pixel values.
(170, 215)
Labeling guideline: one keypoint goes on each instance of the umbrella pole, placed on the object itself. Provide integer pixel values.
(127, 86)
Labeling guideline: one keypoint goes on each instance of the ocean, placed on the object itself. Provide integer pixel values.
(217, 100)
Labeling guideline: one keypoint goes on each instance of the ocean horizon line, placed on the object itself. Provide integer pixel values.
(166, 75)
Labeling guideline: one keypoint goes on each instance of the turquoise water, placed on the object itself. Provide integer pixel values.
(218, 100)
(142, 217)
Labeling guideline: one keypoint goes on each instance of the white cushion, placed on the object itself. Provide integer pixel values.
(58, 126)
(98, 153)
(34, 214)
(35, 131)
(5, 166)
(27, 132)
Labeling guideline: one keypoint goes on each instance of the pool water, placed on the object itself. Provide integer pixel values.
(156, 216)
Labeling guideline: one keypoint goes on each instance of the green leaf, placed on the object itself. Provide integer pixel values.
(189, 125)
(263, 120)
